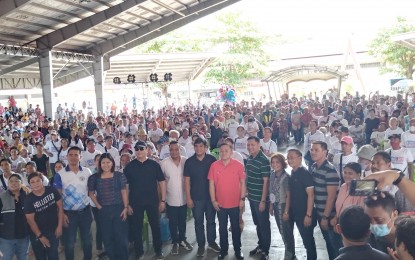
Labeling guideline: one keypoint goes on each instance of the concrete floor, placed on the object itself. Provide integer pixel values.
(249, 242)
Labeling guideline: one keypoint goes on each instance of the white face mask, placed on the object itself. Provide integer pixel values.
(412, 128)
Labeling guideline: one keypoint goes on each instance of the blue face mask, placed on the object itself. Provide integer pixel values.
(380, 230)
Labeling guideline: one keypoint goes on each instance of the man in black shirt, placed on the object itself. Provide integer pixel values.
(354, 226)
(144, 176)
(371, 123)
(196, 170)
(302, 193)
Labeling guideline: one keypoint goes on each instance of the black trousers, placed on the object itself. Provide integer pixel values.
(137, 219)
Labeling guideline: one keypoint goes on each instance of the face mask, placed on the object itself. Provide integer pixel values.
(364, 166)
(380, 230)
(412, 128)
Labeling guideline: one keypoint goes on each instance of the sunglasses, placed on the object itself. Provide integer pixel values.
(139, 148)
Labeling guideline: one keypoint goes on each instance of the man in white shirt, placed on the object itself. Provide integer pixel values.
(341, 159)
(268, 146)
(185, 139)
(393, 128)
(108, 148)
(52, 148)
(378, 137)
(241, 142)
(401, 157)
(155, 133)
(176, 206)
(408, 137)
(165, 150)
(88, 156)
(310, 137)
(232, 126)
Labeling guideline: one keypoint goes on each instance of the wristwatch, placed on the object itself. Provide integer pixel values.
(243, 198)
(399, 179)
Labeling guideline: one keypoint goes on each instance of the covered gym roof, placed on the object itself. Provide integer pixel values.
(79, 31)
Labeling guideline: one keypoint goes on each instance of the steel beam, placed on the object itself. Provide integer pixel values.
(59, 36)
(18, 66)
(99, 80)
(8, 6)
(46, 78)
(157, 28)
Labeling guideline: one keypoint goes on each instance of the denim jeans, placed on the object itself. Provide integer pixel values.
(263, 225)
(137, 218)
(11, 247)
(202, 209)
(332, 241)
(286, 230)
(81, 219)
(177, 223)
(98, 236)
(114, 232)
(45, 253)
(233, 214)
(307, 235)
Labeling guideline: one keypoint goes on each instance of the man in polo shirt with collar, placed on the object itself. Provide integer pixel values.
(144, 176)
(72, 183)
(258, 171)
(227, 191)
(196, 171)
(326, 183)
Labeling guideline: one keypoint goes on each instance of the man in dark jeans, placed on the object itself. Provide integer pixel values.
(258, 172)
(196, 171)
(72, 183)
(144, 176)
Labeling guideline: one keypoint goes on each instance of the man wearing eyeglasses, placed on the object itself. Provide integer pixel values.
(144, 176)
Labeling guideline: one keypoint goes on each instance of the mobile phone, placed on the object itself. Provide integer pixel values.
(363, 187)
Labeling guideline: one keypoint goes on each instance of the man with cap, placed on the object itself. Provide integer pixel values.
(100, 142)
(336, 147)
(346, 156)
(145, 177)
(401, 157)
(365, 155)
(88, 156)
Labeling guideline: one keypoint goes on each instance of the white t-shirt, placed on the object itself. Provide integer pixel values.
(113, 151)
(16, 163)
(53, 147)
(310, 138)
(165, 152)
(155, 134)
(252, 128)
(238, 156)
(345, 160)
(378, 136)
(232, 129)
(88, 159)
(241, 145)
(336, 148)
(184, 142)
(63, 156)
(408, 141)
(390, 132)
(269, 147)
(400, 159)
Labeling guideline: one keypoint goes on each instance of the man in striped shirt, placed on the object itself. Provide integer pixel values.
(326, 182)
(258, 171)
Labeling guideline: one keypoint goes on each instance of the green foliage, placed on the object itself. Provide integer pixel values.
(243, 46)
(396, 58)
(176, 41)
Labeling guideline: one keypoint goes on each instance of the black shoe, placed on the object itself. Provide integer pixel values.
(222, 256)
(256, 251)
(139, 256)
(159, 255)
(239, 255)
(214, 247)
(264, 256)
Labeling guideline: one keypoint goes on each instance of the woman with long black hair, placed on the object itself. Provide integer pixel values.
(108, 190)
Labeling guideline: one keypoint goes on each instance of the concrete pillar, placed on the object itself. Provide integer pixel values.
(99, 67)
(46, 79)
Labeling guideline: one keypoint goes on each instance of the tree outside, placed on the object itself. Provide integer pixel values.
(396, 58)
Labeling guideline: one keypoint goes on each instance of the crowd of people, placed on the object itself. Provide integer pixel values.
(293, 159)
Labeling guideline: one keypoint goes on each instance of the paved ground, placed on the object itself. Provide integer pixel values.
(249, 241)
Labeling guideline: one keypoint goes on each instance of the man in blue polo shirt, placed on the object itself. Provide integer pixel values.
(72, 183)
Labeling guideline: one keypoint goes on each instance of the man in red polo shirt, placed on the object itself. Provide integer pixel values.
(227, 191)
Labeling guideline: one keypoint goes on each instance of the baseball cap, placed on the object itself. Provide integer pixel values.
(140, 144)
(241, 126)
(128, 147)
(395, 136)
(347, 140)
(366, 152)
